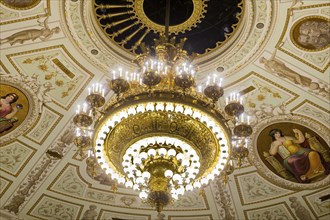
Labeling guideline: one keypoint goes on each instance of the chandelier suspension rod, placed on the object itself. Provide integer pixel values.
(167, 19)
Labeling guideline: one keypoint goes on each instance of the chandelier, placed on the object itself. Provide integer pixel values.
(162, 135)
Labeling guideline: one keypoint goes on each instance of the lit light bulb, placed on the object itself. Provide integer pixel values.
(162, 152)
(143, 195)
(168, 173)
(151, 152)
(143, 155)
(129, 184)
(179, 156)
(146, 175)
(171, 152)
(189, 187)
(197, 184)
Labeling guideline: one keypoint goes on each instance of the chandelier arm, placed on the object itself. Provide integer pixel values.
(167, 20)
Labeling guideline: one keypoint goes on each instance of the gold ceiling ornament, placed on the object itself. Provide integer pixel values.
(198, 13)
(162, 135)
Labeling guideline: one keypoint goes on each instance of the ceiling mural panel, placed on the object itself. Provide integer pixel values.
(13, 11)
(19, 109)
(318, 202)
(254, 189)
(48, 121)
(51, 68)
(14, 156)
(310, 109)
(295, 75)
(306, 36)
(49, 207)
(107, 214)
(4, 185)
(276, 155)
(280, 210)
(276, 58)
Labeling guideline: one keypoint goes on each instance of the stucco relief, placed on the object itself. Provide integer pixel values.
(4, 184)
(255, 189)
(57, 73)
(279, 68)
(51, 208)
(110, 215)
(39, 172)
(87, 40)
(278, 211)
(47, 121)
(8, 14)
(70, 183)
(265, 99)
(316, 112)
(104, 197)
(223, 199)
(303, 41)
(299, 209)
(319, 202)
(13, 156)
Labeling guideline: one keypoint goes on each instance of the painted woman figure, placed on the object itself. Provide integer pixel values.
(303, 163)
(7, 111)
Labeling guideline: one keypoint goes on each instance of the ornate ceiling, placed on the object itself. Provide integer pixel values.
(275, 53)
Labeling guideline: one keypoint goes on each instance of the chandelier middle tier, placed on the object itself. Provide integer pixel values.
(162, 135)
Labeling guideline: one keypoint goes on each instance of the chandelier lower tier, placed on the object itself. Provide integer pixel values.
(162, 135)
(159, 146)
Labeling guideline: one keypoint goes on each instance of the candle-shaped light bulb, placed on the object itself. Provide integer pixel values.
(200, 88)
(220, 82)
(103, 92)
(241, 100)
(248, 119)
(89, 91)
(214, 77)
(227, 101)
(120, 72)
(165, 72)
(78, 132)
(84, 107)
(93, 88)
(78, 109)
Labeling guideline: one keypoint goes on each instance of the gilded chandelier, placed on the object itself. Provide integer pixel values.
(162, 135)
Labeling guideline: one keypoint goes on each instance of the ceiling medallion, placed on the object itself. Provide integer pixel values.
(195, 16)
(128, 23)
(162, 135)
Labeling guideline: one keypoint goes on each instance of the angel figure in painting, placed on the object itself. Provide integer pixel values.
(314, 34)
(8, 111)
(43, 34)
(303, 162)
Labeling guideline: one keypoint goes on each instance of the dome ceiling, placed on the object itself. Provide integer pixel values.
(130, 23)
(274, 58)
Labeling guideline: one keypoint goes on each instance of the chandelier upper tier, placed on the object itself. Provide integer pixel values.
(162, 135)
